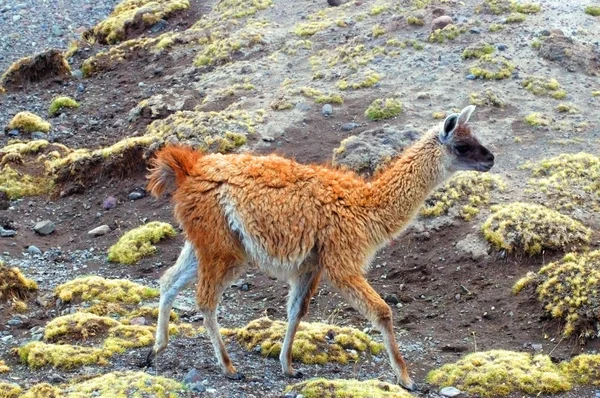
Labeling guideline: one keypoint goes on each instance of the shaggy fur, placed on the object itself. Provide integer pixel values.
(298, 222)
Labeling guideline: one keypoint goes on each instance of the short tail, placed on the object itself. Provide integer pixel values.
(173, 163)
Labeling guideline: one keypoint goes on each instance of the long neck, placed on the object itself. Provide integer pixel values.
(399, 192)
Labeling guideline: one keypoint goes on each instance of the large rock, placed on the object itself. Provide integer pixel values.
(571, 55)
(99, 231)
(441, 22)
(45, 227)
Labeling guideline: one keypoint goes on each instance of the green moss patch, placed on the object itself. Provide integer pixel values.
(315, 343)
(17, 185)
(78, 326)
(477, 50)
(499, 373)
(28, 122)
(533, 228)
(471, 189)
(515, 17)
(37, 354)
(125, 384)
(488, 97)
(542, 86)
(4, 368)
(138, 243)
(593, 10)
(321, 97)
(98, 289)
(537, 119)
(367, 79)
(324, 388)
(449, 32)
(489, 67)
(14, 285)
(59, 103)
(569, 289)
(583, 369)
(384, 108)
(10, 390)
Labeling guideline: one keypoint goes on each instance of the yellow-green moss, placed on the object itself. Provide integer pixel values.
(569, 179)
(29, 122)
(471, 189)
(498, 7)
(342, 388)
(17, 185)
(477, 50)
(3, 367)
(138, 243)
(526, 8)
(320, 97)
(125, 384)
(131, 12)
(315, 343)
(37, 354)
(583, 369)
(488, 97)
(569, 290)
(596, 93)
(532, 228)
(23, 148)
(566, 108)
(78, 326)
(449, 32)
(413, 20)
(10, 390)
(98, 289)
(439, 115)
(383, 108)
(241, 8)
(593, 10)
(377, 31)
(541, 86)
(495, 27)
(61, 102)
(305, 29)
(43, 390)
(378, 9)
(14, 285)
(516, 17)
(537, 119)
(369, 79)
(489, 67)
(499, 373)
(124, 337)
(19, 306)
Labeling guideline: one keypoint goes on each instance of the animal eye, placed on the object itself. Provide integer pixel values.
(462, 149)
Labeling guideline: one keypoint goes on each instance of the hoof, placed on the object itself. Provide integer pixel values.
(408, 385)
(235, 376)
(149, 359)
(295, 374)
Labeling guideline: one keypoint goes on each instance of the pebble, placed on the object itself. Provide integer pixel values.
(501, 47)
(99, 231)
(135, 195)
(391, 299)
(157, 27)
(302, 106)
(450, 392)
(45, 227)
(475, 31)
(109, 203)
(537, 347)
(471, 76)
(268, 138)
(7, 233)
(441, 22)
(14, 322)
(327, 110)
(81, 87)
(38, 135)
(349, 126)
(34, 250)
(192, 376)
(13, 133)
(197, 387)
(138, 320)
(211, 391)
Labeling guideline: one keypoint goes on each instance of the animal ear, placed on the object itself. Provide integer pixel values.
(465, 114)
(449, 125)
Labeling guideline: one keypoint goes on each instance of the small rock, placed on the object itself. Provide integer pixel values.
(157, 27)
(471, 76)
(14, 322)
(475, 31)
(45, 227)
(501, 47)
(391, 299)
(197, 387)
(109, 203)
(135, 195)
(327, 110)
(193, 376)
(56, 378)
(349, 126)
(450, 392)
(7, 233)
(302, 106)
(268, 138)
(537, 347)
(335, 3)
(290, 395)
(38, 135)
(13, 133)
(211, 391)
(6, 339)
(16, 18)
(138, 320)
(34, 251)
(77, 74)
(81, 87)
(99, 231)
(441, 22)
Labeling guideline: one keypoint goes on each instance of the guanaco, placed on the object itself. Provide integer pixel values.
(298, 222)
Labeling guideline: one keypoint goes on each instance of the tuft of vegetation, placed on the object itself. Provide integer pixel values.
(477, 50)
(526, 8)
(498, 7)
(593, 10)
(320, 97)
(98, 289)
(78, 326)
(537, 119)
(532, 228)
(541, 86)
(515, 17)
(488, 97)
(17, 185)
(449, 32)
(567, 108)
(414, 20)
(37, 354)
(324, 388)
(583, 369)
(489, 67)
(569, 290)
(3, 367)
(28, 122)
(499, 373)
(44, 390)
(369, 79)
(377, 31)
(10, 390)
(470, 188)
(315, 343)
(14, 285)
(439, 115)
(137, 243)
(495, 27)
(383, 108)
(126, 384)
(59, 103)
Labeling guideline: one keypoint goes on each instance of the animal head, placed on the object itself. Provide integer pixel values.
(463, 150)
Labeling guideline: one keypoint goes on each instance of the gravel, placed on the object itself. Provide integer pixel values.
(31, 26)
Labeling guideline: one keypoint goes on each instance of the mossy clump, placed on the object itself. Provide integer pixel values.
(14, 285)
(43, 390)
(241, 8)
(384, 108)
(498, 7)
(377, 31)
(439, 115)
(593, 11)
(138, 243)
(315, 343)
(98, 289)
(583, 369)
(368, 79)
(3, 367)
(496, 27)
(17, 185)
(78, 326)
(569, 179)
(515, 17)
(23, 148)
(566, 108)
(541, 86)
(488, 97)
(449, 32)
(126, 384)
(533, 228)
(37, 354)
(321, 97)
(526, 8)
(499, 373)
(28, 122)
(341, 388)
(59, 103)
(477, 50)
(470, 188)
(131, 14)
(10, 390)
(569, 290)
(124, 337)
(489, 67)
(414, 20)
(537, 119)
(306, 29)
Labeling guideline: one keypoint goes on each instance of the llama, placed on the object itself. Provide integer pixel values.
(299, 222)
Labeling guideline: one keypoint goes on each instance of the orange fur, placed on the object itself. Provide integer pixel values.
(174, 161)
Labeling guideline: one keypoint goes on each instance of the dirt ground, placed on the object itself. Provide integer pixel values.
(451, 304)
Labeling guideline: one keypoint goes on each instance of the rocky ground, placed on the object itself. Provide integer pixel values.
(228, 66)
